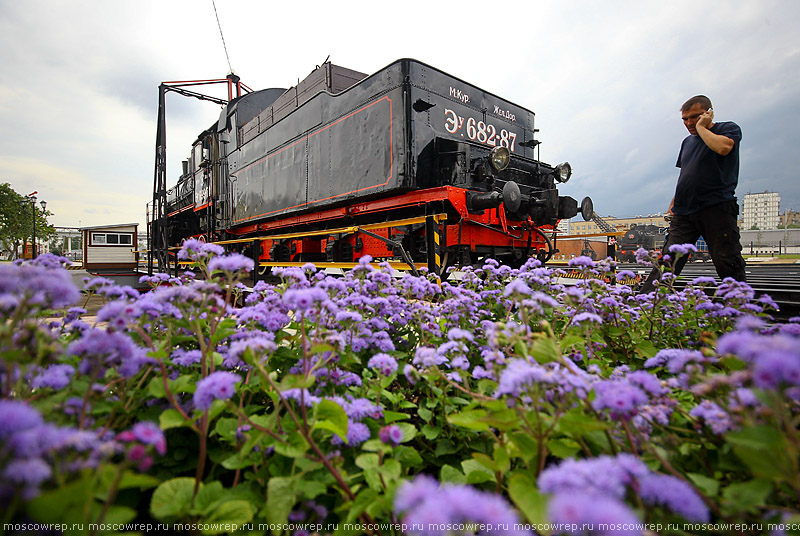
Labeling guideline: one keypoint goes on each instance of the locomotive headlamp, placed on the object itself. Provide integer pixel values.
(500, 157)
(563, 172)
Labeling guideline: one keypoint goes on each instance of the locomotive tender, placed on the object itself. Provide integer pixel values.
(408, 164)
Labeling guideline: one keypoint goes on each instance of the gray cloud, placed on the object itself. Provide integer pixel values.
(78, 89)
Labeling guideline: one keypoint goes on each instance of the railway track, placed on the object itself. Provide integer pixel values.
(779, 281)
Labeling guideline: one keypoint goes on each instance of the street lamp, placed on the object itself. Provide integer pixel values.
(43, 203)
(32, 200)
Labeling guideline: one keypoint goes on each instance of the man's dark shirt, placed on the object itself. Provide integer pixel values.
(707, 178)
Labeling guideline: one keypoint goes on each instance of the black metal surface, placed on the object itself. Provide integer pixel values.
(779, 281)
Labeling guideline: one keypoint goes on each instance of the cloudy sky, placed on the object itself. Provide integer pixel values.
(79, 83)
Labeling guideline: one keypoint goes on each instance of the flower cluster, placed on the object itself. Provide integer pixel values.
(334, 397)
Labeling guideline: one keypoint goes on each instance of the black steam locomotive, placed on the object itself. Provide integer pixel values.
(649, 237)
(409, 164)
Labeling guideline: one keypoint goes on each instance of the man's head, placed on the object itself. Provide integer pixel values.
(691, 111)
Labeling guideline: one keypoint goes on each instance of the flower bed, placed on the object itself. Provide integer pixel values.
(501, 404)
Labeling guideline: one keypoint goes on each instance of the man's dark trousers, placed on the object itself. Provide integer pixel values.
(718, 226)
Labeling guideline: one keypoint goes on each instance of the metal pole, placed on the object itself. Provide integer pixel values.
(33, 208)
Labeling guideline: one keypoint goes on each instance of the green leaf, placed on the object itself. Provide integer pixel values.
(476, 473)
(472, 419)
(156, 387)
(229, 513)
(409, 431)
(527, 446)
(425, 414)
(545, 350)
(390, 470)
(131, 479)
(572, 340)
(208, 496)
(172, 498)
(577, 423)
(63, 504)
(501, 459)
(226, 428)
(309, 489)
(645, 348)
(331, 416)
(709, 486)
(524, 494)
(367, 461)
(281, 496)
(763, 449)
(408, 456)
(431, 432)
(294, 448)
(746, 496)
(171, 418)
(119, 515)
(563, 448)
(394, 416)
(448, 473)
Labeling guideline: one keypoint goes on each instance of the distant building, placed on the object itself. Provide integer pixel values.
(110, 247)
(580, 227)
(761, 211)
(67, 242)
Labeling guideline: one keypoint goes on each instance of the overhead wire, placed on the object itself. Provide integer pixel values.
(224, 46)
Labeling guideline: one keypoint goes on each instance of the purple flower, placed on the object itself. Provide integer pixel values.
(220, 385)
(230, 263)
(391, 434)
(517, 376)
(260, 343)
(675, 494)
(650, 383)
(150, 433)
(621, 398)
(428, 357)
(714, 416)
(361, 408)
(304, 299)
(100, 349)
(603, 475)
(16, 416)
(194, 249)
(460, 334)
(580, 318)
(576, 509)
(582, 261)
(675, 359)
(186, 358)
(422, 501)
(682, 249)
(411, 374)
(384, 363)
(303, 396)
(30, 472)
(41, 285)
(517, 286)
(357, 433)
(55, 377)
(625, 274)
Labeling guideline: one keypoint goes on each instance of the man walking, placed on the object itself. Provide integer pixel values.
(705, 202)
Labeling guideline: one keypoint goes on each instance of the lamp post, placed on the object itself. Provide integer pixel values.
(43, 204)
(32, 200)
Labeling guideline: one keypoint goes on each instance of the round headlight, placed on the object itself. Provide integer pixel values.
(500, 157)
(563, 172)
